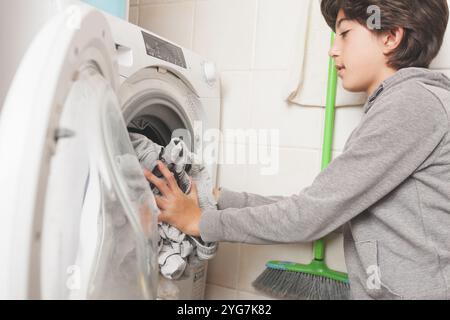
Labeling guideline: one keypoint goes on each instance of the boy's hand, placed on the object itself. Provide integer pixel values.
(216, 193)
(177, 209)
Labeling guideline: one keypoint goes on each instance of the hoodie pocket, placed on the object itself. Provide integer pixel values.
(381, 281)
(372, 279)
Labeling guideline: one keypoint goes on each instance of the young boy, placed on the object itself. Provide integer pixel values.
(390, 188)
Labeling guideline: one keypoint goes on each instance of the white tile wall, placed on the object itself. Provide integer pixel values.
(236, 100)
(233, 176)
(243, 295)
(299, 127)
(223, 270)
(251, 41)
(213, 292)
(134, 15)
(334, 254)
(297, 170)
(224, 32)
(345, 121)
(159, 18)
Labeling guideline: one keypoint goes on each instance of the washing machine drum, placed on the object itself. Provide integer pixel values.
(78, 217)
(159, 105)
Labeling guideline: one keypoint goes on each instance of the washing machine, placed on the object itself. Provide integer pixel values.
(78, 219)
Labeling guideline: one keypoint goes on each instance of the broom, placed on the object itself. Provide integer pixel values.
(314, 281)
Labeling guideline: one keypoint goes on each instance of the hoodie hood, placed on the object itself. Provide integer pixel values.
(423, 75)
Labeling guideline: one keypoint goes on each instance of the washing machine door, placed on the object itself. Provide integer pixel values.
(78, 219)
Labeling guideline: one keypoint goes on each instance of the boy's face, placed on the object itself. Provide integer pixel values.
(358, 54)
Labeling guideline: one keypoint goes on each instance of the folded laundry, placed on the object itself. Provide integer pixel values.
(176, 248)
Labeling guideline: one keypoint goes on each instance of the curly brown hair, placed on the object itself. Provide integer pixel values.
(424, 22)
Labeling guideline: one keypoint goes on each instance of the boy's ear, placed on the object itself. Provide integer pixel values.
(392, 39)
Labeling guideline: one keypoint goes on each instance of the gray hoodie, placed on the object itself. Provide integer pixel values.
(390, 189)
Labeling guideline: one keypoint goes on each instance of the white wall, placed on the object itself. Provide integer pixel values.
(251, 41)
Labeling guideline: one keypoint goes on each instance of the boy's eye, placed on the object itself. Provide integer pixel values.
(343, 34)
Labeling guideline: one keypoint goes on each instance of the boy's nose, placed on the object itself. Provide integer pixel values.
(334, 51)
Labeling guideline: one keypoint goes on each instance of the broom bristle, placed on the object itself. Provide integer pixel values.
(296, 285)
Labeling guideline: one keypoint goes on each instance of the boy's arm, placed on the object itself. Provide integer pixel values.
(231, 199)
(391, 143)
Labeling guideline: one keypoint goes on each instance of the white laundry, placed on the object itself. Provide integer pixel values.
(307, 85)
(202, 179)
(147, 151)
(176, 248)
(176, 156)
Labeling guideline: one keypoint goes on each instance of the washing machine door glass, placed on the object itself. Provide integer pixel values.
(99, 223)
(78, 219)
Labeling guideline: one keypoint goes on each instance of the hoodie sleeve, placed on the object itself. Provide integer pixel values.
(396, 136)
(231, 199)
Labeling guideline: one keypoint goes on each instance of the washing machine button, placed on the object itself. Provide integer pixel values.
(210, 73)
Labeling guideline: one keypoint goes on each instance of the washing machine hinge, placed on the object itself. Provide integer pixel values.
(162, 70)
(63, 133)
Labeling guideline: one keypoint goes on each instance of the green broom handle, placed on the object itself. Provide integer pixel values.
(319, 245)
